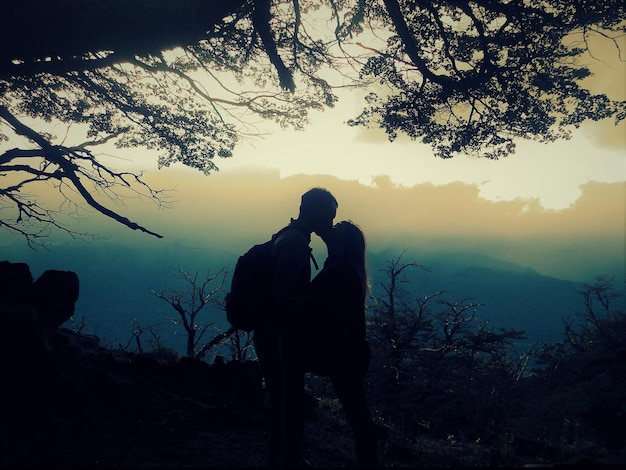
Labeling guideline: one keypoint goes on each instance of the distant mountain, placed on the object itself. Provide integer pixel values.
(513, 296)
(115, 282)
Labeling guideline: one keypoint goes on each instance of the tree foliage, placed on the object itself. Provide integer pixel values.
(188, 79)
(470, 77)
(579, 385)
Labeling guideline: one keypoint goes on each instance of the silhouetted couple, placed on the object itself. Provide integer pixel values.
(317, 326)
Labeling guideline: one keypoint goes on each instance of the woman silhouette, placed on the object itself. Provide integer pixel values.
(337, 347)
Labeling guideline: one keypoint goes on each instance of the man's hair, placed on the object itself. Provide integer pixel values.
(315, 198)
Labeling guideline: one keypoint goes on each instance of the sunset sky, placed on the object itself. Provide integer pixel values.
(558, 208)
(567, 194)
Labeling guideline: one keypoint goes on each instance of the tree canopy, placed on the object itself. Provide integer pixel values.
(190, 78)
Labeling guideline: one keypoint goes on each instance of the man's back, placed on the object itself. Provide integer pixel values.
(278, 346)
(292, 273)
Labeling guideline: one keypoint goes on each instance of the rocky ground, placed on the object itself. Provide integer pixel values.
(68, 402)
(82, 405)
(79, 405)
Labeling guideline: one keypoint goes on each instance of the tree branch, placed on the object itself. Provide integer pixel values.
(410, 46)
(67, 169)
(261, 17)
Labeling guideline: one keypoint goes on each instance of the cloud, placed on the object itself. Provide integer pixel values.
(607, 134)
(233, 210)
(608, 75)
(251, 205)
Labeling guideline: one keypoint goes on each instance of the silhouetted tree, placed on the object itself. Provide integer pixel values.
(190, 302)
(598, 323)
(188, 79)
(240, 345)
(137, 332)
(579, 385)
(450, 373)
(397, 320)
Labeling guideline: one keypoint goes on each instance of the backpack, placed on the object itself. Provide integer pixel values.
(249, 302)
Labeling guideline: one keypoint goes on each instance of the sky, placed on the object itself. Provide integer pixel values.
(559, 208)
(552, 173)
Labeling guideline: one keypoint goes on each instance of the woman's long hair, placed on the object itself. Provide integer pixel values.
(354, 240)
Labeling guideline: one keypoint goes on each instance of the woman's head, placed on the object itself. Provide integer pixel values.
(347, 241)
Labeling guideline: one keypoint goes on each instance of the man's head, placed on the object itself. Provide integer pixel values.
(318, 208)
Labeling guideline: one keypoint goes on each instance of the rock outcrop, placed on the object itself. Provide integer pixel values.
(69, 402)
(52, 296)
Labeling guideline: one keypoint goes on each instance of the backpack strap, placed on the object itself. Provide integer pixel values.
(317, 268)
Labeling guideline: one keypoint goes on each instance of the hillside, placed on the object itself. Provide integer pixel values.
(70, 402)
(85, 406)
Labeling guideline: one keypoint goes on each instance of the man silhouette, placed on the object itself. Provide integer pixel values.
(277, 344)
